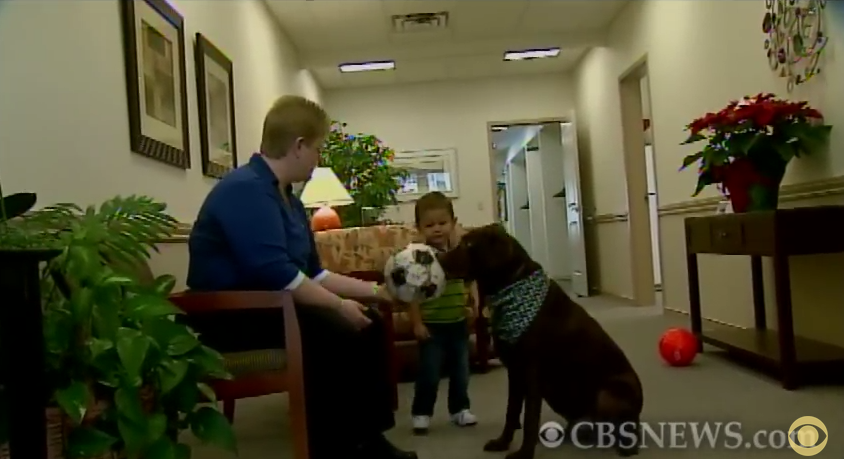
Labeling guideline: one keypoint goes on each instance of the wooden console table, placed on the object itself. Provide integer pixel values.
(777, 234)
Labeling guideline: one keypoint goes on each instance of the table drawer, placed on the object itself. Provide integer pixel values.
(727, 236)
(735, 234)
(716, 235)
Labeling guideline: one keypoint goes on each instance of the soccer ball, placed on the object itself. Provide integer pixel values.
(414, 274)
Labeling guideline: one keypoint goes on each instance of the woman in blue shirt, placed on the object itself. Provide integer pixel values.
(252, 233)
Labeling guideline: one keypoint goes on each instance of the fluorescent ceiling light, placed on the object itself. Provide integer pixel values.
(499, 128)
(531, 54)
(367, 66)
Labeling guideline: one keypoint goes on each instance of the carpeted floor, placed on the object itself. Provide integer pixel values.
(714, 389)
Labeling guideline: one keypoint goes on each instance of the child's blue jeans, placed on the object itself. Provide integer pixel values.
(446, 348)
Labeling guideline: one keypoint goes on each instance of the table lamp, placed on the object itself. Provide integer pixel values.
(322, 192)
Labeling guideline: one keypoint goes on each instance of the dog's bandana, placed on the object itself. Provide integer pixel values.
(514, 308)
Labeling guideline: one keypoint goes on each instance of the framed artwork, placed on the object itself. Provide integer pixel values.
(428, 170)
(215, 93)
(154, 53)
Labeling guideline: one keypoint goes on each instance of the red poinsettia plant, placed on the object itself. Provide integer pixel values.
(751, 141)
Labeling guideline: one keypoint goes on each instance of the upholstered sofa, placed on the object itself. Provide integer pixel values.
(363, 252)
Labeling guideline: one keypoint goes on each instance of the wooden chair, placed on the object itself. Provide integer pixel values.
(259, 372)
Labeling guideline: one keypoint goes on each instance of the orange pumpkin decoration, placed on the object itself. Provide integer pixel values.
(325, 218)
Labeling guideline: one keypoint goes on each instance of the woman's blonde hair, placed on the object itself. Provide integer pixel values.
(291, 118)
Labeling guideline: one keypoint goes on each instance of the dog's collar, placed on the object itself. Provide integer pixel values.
(515, 306)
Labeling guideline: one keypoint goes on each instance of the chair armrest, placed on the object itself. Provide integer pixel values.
(193, 303)
(199, 303)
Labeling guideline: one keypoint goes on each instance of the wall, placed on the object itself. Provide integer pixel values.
(556, 227)
(452, 115)
(63, 114)
(693, 70)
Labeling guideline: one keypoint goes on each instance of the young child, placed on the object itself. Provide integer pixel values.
(440, 325)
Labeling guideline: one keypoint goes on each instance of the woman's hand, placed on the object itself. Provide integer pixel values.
(420, 331)
(354, 312)
(383, 295)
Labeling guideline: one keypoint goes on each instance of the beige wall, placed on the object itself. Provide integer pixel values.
(64, 130)
(452, 115)
(693, 70)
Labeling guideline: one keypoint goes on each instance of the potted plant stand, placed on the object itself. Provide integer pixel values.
(22, 352)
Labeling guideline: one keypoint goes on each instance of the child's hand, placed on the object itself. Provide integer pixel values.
(421, 332)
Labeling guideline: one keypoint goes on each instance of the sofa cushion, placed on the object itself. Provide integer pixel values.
(247, 362)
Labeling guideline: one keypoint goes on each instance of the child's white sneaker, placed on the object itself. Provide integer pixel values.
(464, 418)
(421, 424)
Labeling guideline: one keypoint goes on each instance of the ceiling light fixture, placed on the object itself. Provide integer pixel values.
(367, 66)
(499, 128)
(529, 54)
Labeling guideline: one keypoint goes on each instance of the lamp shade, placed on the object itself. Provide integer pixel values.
(325, 189)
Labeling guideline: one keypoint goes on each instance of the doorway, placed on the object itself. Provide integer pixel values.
(536, 166)
(642, 195)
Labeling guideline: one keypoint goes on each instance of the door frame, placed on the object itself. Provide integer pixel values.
(636, 185)
(586, 214)
(491, 151)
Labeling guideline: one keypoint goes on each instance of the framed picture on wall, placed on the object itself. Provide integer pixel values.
(215, 93)
(428, 170)
(154, 53)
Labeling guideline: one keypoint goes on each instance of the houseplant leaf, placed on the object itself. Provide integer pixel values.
(174, 338)
(15, 205)
(74, 400)
(208, 392)
(210, 426)
(163, 448)
(171, 373)
(183, 451)
(210, 362)
(132, 348)
(164, 284)
(144, 306)
(156, 427)
(85, 442)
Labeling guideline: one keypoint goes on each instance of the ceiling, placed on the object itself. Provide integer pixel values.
(503, 140)
(328, 33)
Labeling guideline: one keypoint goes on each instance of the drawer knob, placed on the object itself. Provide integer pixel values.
(722, 234)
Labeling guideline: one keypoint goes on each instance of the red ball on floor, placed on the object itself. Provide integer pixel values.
(678, 347)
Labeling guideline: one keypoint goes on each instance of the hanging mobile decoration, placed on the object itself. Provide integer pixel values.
(795, 38)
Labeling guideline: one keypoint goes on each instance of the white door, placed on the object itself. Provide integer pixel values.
(653, 205)
(574, 210)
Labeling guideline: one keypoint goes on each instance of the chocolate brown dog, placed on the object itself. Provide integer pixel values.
(552, 348)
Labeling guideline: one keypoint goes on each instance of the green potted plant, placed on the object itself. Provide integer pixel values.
(124, 375)
(749, 144)
(364, 165)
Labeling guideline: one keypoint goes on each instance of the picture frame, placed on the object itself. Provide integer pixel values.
(215, 96)
(156, 81)
(430, 170)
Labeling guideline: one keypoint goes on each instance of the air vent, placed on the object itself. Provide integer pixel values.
(420, 22)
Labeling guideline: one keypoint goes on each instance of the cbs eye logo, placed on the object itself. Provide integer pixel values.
(551, 434)
(807, 436)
